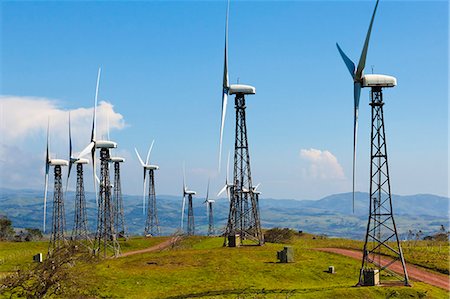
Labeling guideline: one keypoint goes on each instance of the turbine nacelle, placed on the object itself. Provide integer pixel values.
(241, 89)
(80, 161)
(373, 80)
(105, 144)
(116, 159)
(189, 192)
(58, 162)
(151, 167)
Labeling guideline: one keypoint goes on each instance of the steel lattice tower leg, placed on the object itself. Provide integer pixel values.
(381, 235)
(119, 218)
(57, 239)
(243, 216)
(152, 223)
(210, 219)
(80, 228)
(106, 240)
(190, 225)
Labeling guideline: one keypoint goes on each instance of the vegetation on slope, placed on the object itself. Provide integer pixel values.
(199, 267)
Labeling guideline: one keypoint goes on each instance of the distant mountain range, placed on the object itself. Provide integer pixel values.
(331, 215)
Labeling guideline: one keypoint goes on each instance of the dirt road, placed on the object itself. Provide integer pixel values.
(414, 272)
(157, 247)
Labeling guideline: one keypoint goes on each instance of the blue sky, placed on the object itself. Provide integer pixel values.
(162, 71)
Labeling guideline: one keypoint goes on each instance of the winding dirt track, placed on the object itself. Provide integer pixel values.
(414, 272)
(157, 247)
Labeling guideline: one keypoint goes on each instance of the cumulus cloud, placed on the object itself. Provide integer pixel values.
(22, 117)
(321, 164)
(23, 126)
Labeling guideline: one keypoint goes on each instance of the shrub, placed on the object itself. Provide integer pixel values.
(279, 235)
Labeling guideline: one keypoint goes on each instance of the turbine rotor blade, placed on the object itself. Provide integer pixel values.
(357, 93)
(350, 65)
(70, 156)
(149, 151)
(94, 121)
(182, 211)
(45, 200)
(184, 179)
(254, 189)
(87, 150)
(222, 190)
(228, 168)
(362, 59)
(94, 173)
(143, 194)
(207, 191)
(139, 157)
(222, 123)
(225, 85)
(47, 168)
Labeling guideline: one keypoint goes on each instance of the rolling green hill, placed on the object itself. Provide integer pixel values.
(199, 267)
(331, 215)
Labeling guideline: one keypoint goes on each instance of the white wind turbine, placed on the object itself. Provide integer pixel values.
(147, 167)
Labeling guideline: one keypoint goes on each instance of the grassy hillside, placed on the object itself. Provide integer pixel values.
(199, 267)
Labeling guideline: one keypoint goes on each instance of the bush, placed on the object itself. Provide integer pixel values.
(6, 229)
(279, 235)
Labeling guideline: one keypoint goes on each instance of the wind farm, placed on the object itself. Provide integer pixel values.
(308, 203)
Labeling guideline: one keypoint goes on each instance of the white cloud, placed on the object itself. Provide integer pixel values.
(321, 165)
(23, 125)
(24, 117)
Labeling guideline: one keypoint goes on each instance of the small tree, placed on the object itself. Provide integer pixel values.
(6, 229)
(33, 234)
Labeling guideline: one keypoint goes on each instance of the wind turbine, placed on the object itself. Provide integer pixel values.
(106, 238)
(381, 229)
(189, 194)
(209, 212)
(80, 230)
(151, 224)
(242, 174)
(57, 238)
(119, 217)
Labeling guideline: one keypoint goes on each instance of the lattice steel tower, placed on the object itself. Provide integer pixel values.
(152, 223)
(381, 232)
(243, 217)
(119, 217)
(190, 221)
(80, 232)
(57, 237)
(209, 212)
(106, 237)
(211, 230)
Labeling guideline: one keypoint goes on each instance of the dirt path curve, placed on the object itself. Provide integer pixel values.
(414, 272)
(157, 247)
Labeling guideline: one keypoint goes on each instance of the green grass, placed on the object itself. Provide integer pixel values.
(16, 254)
(199, 267)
